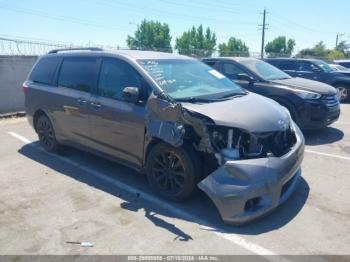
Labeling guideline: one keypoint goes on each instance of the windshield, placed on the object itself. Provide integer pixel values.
(324, 66)
(265, 70)
(189, 79)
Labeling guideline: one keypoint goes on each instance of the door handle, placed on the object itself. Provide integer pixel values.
(81, 101)
(95, 105)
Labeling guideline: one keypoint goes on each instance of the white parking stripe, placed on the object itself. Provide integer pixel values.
(326, 154)
(252, 247)
(23, 139)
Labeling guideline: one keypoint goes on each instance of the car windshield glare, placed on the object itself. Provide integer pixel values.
(185, 79)
(265, 70)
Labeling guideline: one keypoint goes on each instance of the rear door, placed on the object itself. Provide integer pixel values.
(288, 66)
(118, 127)
(77, 77)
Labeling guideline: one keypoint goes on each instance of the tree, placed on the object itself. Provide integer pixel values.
(280, 47)
(195, 43)
(343, 47)
(319, 50)
(151, 35)
(335, 54)
(234, 47)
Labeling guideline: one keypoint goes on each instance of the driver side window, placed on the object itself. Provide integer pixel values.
(230, 70)
(115, 75)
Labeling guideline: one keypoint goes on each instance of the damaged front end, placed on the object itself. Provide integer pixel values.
(252, 172)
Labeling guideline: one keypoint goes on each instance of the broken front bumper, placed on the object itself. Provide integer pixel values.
(244, 190)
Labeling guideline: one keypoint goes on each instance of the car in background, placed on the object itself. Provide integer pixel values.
(339, 68)
(311, 104)
(173, 118)
(344, 62)
(315, 69)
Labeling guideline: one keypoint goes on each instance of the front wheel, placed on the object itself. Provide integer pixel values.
(46, 134)
(342, 93)
(173, 172)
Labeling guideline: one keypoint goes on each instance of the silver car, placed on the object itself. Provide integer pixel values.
(173, 118)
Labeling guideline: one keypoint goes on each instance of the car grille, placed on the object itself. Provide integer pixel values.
(330, 100)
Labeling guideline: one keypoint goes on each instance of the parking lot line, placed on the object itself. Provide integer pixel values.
(240, 241)
(326, 154)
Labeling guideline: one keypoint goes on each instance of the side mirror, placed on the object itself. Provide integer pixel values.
(131, 94)
(245, 77)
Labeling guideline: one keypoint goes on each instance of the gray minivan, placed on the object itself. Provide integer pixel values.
(173, 118)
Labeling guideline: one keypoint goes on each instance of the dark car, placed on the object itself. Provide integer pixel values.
(344, 62)
(315, 70)
(312, 104)
(173, 118)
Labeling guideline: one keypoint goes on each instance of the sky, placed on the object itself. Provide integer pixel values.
(109, 22)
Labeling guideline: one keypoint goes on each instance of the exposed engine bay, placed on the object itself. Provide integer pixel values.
(226, 143)
(235, 144)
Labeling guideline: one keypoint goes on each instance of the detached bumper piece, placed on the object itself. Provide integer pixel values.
(244, 190)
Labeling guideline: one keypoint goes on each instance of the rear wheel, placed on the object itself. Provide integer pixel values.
(46, 133)
(173, 172)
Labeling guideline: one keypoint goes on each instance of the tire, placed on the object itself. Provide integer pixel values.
(46, 134)
(173, 172)
(343, 92)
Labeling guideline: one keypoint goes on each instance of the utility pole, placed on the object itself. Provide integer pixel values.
(337, 39)
(264, 27)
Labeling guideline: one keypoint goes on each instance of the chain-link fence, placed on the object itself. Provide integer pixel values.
(25, 47)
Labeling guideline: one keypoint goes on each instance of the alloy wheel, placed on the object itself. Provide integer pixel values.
(169, 173)
(45, 132)
(342, 93)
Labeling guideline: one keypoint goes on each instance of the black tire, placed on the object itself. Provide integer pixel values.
(343, 92)
(173, 172)
(46, 134)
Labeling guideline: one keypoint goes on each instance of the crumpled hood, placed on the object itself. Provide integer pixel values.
(308, 85)
(251, 112)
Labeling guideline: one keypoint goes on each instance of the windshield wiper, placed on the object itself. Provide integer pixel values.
(195, 100)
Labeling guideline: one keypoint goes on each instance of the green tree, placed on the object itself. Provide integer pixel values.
(319, 50)
(335, 54)
(343, 47)
(195, 42)
(151, 35)
(280, 46)
(234, 47)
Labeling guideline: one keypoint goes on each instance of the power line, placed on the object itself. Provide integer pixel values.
(58, 17)
(282, 19)
(116, 4)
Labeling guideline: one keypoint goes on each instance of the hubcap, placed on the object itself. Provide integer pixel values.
(45, 133)
(169, 173)
(342, 93)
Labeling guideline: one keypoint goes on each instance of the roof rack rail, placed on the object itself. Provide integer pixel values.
(55, 51)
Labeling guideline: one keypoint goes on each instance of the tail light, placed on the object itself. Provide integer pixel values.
(25, 87)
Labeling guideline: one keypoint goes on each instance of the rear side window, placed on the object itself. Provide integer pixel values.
(346, 64)
(231, 70)
(44, 71)
(285, 65)
(79, 73)
(212, 64)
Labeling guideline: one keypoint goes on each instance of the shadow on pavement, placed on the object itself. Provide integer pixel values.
(199, 206)
(323, 136)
